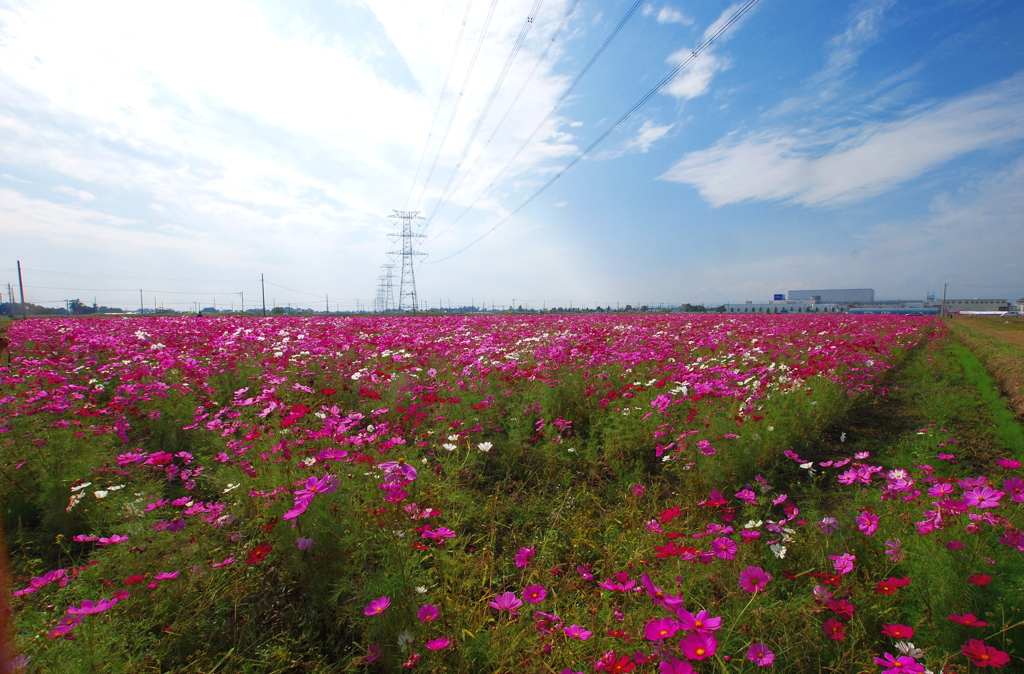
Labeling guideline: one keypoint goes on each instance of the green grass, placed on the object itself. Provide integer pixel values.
(1006, 429)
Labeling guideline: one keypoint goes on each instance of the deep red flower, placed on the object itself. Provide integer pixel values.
(890, 585)
(984, 656)
(258, 553)
(834, 629)
(131, 580)
(968, 619)
(980, 579)
(898, 631)
(328, 391)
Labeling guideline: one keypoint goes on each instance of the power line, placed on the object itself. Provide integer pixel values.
(462, 91)
(509, 60)
(736, 16)
(501, 122)
(133, 278)
(561, 99)
(437, 111)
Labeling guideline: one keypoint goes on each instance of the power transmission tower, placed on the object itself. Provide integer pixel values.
(407, 300)
(385, 299)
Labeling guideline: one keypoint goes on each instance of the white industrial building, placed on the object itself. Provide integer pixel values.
(835, 295)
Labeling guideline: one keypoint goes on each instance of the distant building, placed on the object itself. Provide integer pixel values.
(785, 307)
(976, 305)
(841, 296)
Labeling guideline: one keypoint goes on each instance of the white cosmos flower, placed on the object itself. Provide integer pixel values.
(419, 589)
(484, 446)
(231, 486)
(752, 524)
(453, 438)
(907, 648)
(449, 446)
(779, 550)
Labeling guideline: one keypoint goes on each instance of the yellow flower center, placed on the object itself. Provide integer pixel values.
(700, 651)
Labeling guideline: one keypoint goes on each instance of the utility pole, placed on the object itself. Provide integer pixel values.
(942, 307)
(407, 284)
(142, 303)
(264, 289)
(21, 289)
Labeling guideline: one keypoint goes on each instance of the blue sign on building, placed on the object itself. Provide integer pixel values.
(779, 296)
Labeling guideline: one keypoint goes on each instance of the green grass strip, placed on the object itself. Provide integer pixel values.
(1007, 431)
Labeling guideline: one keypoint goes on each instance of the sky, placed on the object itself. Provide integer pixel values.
(184, 149)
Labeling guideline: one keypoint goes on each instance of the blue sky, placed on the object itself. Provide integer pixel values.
(184, 149)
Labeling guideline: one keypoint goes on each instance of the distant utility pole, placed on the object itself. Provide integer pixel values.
(21, 289)
(942, 307)
(407, 299)
(142, 303)
(263, 288)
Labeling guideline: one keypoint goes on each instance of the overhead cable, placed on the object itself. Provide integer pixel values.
(736, 16)
(440, 100)
(509, 60)
(458, 100)
(561, 99)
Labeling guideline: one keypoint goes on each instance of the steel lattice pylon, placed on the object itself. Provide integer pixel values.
(407, 300)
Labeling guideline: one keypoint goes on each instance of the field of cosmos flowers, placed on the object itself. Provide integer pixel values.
(641, 493)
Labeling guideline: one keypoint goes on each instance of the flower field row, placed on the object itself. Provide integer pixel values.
(397, 492)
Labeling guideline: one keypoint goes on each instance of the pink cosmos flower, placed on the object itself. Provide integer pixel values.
(982, 655)
(534, 593)
(522, 557)
(895, 550)
(64, 627)
(372, 652)
(674, 666)
(164, 575)
(724, 548)
(427, 613)
(1015, 487)
(113, 540)
(577, 632)
(304, 543)
(867, 522)
(829, 526)
(377, 606)
(760, 655)
(506, 601)
(439, 644)
(664, 628)
(229, 560)
(700, 622)
(698, 646)
(843, 563)
(754, 579)
(979, 579)
(586, 571)
(88, 608)
(1008, 463)
(902, 664)
(980, 497)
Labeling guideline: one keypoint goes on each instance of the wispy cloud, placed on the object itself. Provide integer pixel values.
(648, 135)
(81, 195)
(862, 31)
(669, 15)
(828, 167)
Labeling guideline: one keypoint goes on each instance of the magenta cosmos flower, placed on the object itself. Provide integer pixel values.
(427, 613)
(522, 558)
(899, 664)
(834, 629)
(723, 548)
(867, 522)
(980, 497)
(701, 622)
(534, 594)
(438, 644)
(664, 628)
(577, 632)
(377, 606)
(754, 579)
(898, 631)
(760, 655)
(698, 646)
(506, 601)
(675, 666)
(843, 563)
(88, 608)
(982, 655)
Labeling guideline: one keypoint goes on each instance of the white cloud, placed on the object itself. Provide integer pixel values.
(6, 176)
(81, 195)
(722, 20)
(695, 79)
(254, 127)
(859, 162)
(862, 32)
(670, 15)
(648, 134)
(576, 124)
